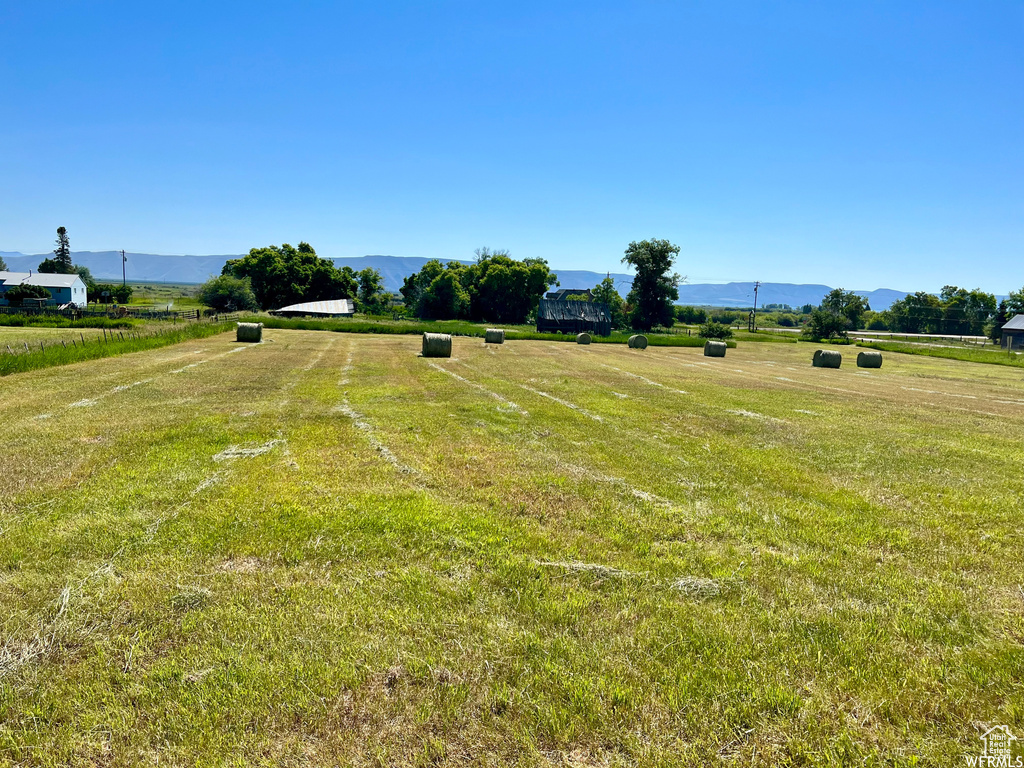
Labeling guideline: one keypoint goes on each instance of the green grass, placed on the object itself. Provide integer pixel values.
(990, 355)
(72, 350)
(60, 321)
(462, 328)
(326, 550)
(159, 295)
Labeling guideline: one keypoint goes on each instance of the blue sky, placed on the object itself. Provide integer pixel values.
(863, 145)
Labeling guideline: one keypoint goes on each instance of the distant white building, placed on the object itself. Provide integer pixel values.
(331, 308)
(64, 289)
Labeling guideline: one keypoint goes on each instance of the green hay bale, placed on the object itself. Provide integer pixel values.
(715, 348)
(494, 336)
(583, 338)
(827, 358)
(437, 345)
(639, 341)
(252, 332)
(869, 359)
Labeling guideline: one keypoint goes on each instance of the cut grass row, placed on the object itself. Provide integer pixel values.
(77, 352)
(464, 328)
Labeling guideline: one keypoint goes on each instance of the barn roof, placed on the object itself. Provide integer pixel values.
(43, 279)
(331, 307)
(590, 311)
(1016, 324)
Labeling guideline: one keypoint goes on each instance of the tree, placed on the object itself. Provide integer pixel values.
(18, 293)
(60, 263)
(827, 324)
(916, 313)
(1015, 302)
(85, 273)
(107, 293)
(605, 293)
(228, 293)
(654, 289)
(691, 315)
(3, 264)
(846, 303)
(995, 327)
(371, 297)
(497, 287)
(965, 312)
(445, 298)
(282, 275)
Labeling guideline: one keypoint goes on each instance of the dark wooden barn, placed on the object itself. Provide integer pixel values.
(561, 316)
(1013, 333)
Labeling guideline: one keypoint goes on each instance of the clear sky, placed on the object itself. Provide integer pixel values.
(862, 145)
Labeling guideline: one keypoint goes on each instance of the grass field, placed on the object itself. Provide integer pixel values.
(324, 549)
(990, 355)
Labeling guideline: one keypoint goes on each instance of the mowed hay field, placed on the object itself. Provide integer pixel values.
(324, 549)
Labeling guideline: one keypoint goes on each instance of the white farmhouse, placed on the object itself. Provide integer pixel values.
(64, 289)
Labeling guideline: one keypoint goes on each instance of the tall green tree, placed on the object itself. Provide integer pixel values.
(1015, 302)
(919, 312)
(965, 312)
(445, 298)
(995, 327)
(3, 264)
(655, 287)
(605, 293)
(283, 275)
(370, 294)
(60, 263)
(846, 303)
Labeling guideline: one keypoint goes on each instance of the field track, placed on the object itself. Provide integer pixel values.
(325, 549)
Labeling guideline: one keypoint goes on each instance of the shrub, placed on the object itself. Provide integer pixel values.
(228, 293)
(713, 330)
(17, 294)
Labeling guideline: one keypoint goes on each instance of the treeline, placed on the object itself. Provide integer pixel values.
(497, 288)
(955, 311)
(277, 276)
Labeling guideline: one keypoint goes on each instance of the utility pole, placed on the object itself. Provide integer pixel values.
(124, 260)
(753, 312)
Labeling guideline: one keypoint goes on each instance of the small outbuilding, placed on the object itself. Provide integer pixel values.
(331, 308)
(1013, 333)
(575, 317)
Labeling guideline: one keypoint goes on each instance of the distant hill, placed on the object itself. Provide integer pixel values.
(147, 267)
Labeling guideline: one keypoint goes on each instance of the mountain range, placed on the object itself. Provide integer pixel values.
(151, 268)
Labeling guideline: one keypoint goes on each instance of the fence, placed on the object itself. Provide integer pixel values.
(121, 311)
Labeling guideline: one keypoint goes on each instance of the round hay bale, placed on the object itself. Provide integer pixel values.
(827, 358)
(249, 332)
(639, 341)
(494, 336)
(437, 345)
(869, 359)
(583, 338)
(715, 348)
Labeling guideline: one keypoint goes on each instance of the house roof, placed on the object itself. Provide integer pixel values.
(43, 279)
(331, 307)
(1016, 324)
(554, 309)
